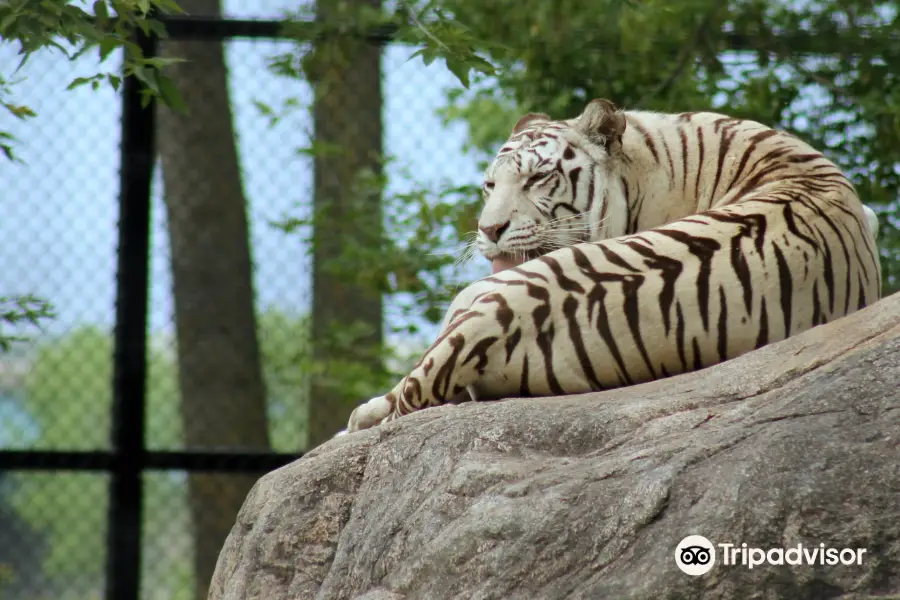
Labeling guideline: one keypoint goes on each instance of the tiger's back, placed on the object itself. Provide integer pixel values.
(707, 236)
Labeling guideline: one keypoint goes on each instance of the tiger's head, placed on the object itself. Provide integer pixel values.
(546, 188)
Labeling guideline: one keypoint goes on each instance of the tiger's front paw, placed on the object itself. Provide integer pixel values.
(369, 414)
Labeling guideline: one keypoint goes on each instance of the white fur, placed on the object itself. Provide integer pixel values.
(871, 220)
(369, 414)
(644, 188)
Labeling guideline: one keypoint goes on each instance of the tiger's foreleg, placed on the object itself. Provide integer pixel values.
(438, 378)
(379, 410)
(368, 414)
(447, 371)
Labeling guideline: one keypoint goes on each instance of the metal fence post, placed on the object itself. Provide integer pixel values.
(137, 154)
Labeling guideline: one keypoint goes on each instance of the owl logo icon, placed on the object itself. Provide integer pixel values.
(695, 555)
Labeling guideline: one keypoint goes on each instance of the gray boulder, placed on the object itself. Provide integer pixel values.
(586, 497)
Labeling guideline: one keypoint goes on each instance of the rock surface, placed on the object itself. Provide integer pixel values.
(586, 497)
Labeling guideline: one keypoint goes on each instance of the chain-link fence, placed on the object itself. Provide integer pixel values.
(214, 223)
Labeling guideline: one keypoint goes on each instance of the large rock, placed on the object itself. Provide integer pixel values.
(588, 496)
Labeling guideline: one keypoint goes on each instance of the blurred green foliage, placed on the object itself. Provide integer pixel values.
(68, 397)
(827, 70)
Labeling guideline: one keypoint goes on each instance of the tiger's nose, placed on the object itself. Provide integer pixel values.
(493, 232)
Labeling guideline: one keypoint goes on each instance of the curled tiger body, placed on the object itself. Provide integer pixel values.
(629, 246)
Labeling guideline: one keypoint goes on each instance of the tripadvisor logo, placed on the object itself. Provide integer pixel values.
(696, 555)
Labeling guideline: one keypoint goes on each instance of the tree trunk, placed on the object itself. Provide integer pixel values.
(346, 74)
(220, 375)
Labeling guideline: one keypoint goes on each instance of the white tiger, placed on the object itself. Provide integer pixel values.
(630, 246)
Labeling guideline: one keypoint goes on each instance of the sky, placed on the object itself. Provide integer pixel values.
(58, 211)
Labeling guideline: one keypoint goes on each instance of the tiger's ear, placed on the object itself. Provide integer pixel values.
(527, 119)
(603, 124)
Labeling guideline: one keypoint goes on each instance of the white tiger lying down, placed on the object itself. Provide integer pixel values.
(631, 246)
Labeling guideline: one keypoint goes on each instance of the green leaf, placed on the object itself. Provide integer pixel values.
(158, 29)
(168, 6)
(170, 94)
(78, 82)
(81, 51)
(25, 57)
(263, 108)
(147, 77)
(427, 53)
(144, 26)
(481, 65)
(8, 151)
(461, 69)
(107, 45)
(7, 22)
(20, 112)
(159, 62)
(147, 97)
(101, 11)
